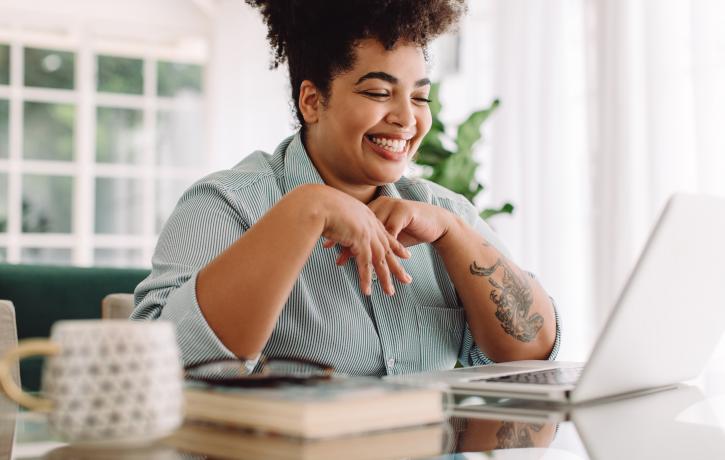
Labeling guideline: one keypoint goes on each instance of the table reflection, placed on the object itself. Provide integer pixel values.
(678, 423)
(674, 423)
(118, 453)
(481, 435)
(7, 427)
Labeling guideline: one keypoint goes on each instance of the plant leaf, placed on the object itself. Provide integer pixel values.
(457, 173)
(431, 151)
(507, 208)
(469, 132)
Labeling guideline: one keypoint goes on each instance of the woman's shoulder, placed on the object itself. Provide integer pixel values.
(419, 189)
(250, 171)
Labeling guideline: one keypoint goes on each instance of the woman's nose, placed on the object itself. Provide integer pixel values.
(401, 114)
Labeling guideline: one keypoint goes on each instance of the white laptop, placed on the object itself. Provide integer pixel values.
(667, 321)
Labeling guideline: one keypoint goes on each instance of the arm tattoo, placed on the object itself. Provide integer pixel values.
(513, 301)
(515, 435)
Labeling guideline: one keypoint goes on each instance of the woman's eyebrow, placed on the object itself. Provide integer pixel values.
(389, 78)
(378, 76)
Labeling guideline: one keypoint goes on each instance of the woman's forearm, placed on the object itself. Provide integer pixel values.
(510, 315)
(243, 290)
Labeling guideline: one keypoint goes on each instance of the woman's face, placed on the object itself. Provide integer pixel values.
(375, 119)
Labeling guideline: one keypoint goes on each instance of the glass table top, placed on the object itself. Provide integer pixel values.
(684, 422)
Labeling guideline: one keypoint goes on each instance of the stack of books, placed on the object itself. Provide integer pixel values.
(319, 409)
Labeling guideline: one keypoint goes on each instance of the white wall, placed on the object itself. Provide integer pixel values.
(165, 19)
(248, 102)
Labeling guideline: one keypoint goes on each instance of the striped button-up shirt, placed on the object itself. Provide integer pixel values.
(326, 317)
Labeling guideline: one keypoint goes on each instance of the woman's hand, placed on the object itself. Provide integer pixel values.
(412, 222)
(409, 222)
(362, 236)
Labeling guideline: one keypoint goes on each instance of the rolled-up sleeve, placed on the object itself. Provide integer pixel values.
(205, 222)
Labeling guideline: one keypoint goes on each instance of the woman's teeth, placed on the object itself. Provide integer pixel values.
(393, 145)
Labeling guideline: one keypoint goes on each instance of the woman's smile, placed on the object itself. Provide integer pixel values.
(389, 148)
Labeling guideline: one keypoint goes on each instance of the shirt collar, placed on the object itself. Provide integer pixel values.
(388, 190)
(299, 170)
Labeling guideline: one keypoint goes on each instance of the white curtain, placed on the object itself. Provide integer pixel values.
(661, 113)
(608, 106)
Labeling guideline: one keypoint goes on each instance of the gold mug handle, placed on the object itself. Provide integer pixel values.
(25, 348)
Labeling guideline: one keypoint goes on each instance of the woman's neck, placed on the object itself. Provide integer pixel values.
(363, 192)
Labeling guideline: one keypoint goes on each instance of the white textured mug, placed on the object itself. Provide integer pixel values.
(115, 381)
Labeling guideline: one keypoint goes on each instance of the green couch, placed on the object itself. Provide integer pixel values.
(43, 295)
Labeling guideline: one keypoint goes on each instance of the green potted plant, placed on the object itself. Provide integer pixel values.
(456, 169)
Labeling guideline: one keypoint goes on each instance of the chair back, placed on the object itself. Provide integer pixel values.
(43, 295)
(8, 332)
(8, 409)
(117, 306)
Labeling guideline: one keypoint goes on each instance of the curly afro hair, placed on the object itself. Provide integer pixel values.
(317, 37)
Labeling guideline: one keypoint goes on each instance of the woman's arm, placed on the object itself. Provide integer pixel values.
(510, 315)
(243, 290)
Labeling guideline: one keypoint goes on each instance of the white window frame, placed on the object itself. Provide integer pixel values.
(83, 169)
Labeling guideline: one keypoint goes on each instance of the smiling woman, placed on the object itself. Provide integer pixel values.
(363, 136)
(324, 250)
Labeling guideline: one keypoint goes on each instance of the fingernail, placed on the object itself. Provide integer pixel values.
(391, 291)
(408, 279)
(407, 253)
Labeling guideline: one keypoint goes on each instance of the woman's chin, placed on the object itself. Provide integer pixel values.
(387, 176)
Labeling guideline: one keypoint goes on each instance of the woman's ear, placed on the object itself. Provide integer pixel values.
(310, 102)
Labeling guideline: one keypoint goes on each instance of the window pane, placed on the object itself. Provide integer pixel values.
(47, 204)
(4, 64)
(4, 128)
(179, 137)
(175, 78)
(120, 75)
(3, 202)
(49, 68)
(168, 192)
(107, 257)
(48, 131)
(119, 206)
(45, 256)
(119, 135)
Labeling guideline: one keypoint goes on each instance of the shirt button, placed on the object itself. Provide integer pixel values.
(391, 363)
(374, 276)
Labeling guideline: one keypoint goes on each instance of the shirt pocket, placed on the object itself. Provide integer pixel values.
(441, 332)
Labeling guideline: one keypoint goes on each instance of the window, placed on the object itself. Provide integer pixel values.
(96, 146)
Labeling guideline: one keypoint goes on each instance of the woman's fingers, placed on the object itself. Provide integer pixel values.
(396, 222)
(373, 244)
(380, 265)
(397, 269)
(327, 244)
(364, 264)
(398, 248)
(344, 256)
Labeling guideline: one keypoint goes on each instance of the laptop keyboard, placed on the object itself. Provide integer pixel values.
(561, 376)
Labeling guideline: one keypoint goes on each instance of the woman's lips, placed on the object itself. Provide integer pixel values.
(387, 154)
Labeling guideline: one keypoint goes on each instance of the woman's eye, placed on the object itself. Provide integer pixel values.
(422, 100)
(375, 94)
